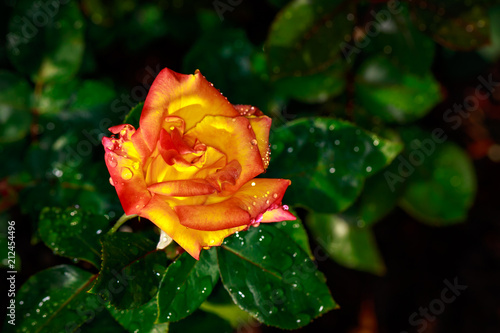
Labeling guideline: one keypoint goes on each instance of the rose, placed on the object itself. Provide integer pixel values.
(190, 167)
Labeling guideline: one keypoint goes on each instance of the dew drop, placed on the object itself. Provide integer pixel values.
(112, 161)
(332, 170)
(275, 195)
(253, 142)
(368, 169)
(126, 173)
(253, 184)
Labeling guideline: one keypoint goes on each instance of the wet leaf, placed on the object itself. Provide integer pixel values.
(131, 270)
(296, 231)
(335, 158)
(55, 300)
(73, 233)
(271, 277)
(141, 319)
(186, 284)
(379, 198)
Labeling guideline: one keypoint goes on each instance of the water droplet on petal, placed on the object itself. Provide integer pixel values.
(253, 142)
(126, 173)
(112, 161)
(111, 181)
(275, 195)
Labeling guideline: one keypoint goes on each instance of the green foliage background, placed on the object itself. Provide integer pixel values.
(362, 96)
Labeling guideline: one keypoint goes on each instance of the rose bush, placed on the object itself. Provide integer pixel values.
(190, 167)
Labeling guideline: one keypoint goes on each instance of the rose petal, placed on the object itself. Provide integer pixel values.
(248, 110)
(161, 214)
(241, 209)
(234, 137)
(227, 175)
(124, 163)
(277, 215)
(261, 127)
(183, 188)
(190, 97)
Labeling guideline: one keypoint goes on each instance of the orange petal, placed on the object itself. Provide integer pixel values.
(277, 215)
(161, 214)
(261, 127)
(248, 110)
(235, 138)
(190, 97)
(183, 188)
(245, 207)
(124, 163)
(227, 175)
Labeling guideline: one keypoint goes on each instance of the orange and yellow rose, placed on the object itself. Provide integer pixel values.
(190, 167)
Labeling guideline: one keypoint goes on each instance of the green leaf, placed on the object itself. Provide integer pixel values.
(439, 177)
(221, 304)
(15, 116)
(73, 233)
(55, 300)
(296, 231)
(56, 97)
(186, 284)
(46, 42)
(305, 36)
(315, 88)
(201, 321)
(141, 319)
(399, 40)
(103, 322)
(335, 158)
(92, 94)
(271, 277)
(375, 202)
(134, 115)
(131, 270)
(348, 245)
(460, 25)
(395, 96)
